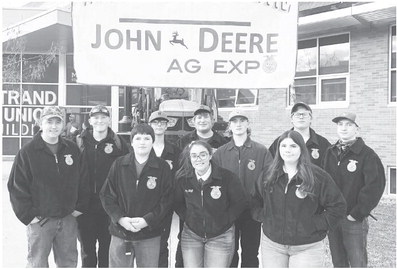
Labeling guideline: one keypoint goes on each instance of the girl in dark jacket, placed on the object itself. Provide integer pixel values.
(209, 199)
(297, 203)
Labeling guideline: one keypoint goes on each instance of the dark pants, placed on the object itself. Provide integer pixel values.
(248, 232)
(165, 234)
(178, 255)
(348, 243)
(94, 227)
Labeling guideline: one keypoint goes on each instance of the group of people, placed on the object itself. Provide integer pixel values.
(228, 194)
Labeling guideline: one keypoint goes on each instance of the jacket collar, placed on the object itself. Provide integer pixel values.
(232, 145)
(40, 144)
(356, 147)
(87, 133)
(129, 160)
(313, 137)
(194, 136)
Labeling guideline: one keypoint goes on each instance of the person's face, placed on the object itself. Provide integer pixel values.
(142, 144)
(200, 158)
(99, 122)
(203, 122)
(72, 117)
(289, 151)
(346, 130)
(52, 127)
(239, 125)
(159, 126)
(301, 118)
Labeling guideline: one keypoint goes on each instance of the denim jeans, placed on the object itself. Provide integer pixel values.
(348, 243)
(122, 253)
(178, 254)
(248, 233)
(212, 252)
(58, 234)
(275, 255)
(93, 228)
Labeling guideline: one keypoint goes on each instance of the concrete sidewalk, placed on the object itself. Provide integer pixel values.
(14, 240)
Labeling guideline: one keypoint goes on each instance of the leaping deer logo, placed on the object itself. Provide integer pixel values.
(177, 41)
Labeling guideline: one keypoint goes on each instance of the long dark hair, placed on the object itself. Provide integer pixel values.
(304, 166)
(186, 168)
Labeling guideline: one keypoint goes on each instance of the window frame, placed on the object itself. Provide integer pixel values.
(254, 104)
(319, 78)
(389, 168)
(391, 69)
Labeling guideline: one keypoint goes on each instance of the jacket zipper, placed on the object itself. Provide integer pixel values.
(57, 163)
(202, 205)
(95, 170)
(284, 220)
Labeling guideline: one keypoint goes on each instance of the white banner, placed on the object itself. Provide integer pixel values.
(209, 44)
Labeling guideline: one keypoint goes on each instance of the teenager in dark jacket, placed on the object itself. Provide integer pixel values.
(203, 122)
(301, 119)
(246, 158)
(137, 197)
(99, 146)
(298, 203)
(209, 199)
(48, 189)
(359, 174)
(170, 153)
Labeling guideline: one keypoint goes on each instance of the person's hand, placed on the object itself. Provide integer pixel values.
(351, 218)
(76, 213)
(34, 220)
(129, 224)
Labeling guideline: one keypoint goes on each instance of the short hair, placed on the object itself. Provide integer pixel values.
(142, 128)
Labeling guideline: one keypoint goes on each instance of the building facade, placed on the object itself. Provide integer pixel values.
(346, 61)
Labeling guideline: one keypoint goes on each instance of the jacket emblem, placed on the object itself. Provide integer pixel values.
(251, 165)
(315, 154)
(216, 192)
(300, 194)
(68, 159)
(351, 166)
(151, 182)
(169, 163)
(109, 148)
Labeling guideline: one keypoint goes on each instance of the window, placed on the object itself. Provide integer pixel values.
(322, 70)
(229, 98)
(392, 180)
(393, 65)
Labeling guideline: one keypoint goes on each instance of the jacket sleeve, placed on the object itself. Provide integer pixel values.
(331, 199)
(237, 199)
(156, 216)
(371, 192)
(83, 198)
(179, 199)
(19, 187)
(256, 201)
(216, 158)
(273, 147)
(109, 195)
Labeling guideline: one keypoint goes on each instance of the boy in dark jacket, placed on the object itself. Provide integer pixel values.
(137, 197)
(359, 174)
(99, 146)
(48, 189)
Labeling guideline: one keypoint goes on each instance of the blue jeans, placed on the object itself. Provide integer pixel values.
(122, 253)
(348, 243)
(275, 255)
(58, 234)
(93, 228)
(213, 252)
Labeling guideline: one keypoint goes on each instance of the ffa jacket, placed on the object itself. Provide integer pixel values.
(316, 145)
(360, 176)
(171, 155)
(43, 184)
(246, 162)
(99, 156)
(215, 141)
(291, 217)
(126, 195)
(210, 209)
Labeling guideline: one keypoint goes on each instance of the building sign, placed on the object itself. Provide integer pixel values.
(22, 110)
(205, 44)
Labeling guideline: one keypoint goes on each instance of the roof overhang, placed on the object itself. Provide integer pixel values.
(42, 30)
(371, 14)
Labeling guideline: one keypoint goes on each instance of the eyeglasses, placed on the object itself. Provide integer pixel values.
(301, 115)
(202, 155)
(159, 122)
